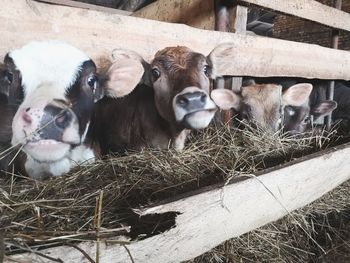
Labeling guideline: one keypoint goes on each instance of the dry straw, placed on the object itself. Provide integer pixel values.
(94, 201)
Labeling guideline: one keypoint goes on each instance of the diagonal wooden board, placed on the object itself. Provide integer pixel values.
(308, 9)
(189, 11)
(213, 215)
(98, 33)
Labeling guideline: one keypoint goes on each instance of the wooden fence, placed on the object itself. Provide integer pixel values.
(221, 212)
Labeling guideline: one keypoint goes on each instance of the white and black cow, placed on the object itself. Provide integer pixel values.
(56, 96)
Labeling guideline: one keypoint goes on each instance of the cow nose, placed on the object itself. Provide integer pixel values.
(59, 116)
(63, 119)
(192, 100)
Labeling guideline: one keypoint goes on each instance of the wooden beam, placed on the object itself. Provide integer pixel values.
(86, 6)
(308, 9)
(208, 218)
(195, 13)
(240, 18)
(98, 33)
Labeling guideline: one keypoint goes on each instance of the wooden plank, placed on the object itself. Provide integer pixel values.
(213, 216)
(98, 33)
(308, 9)
(86, 6)
(195, 13)
(181, 11)
(240, 18)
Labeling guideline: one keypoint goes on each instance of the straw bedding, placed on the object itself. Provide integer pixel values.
(96, 200)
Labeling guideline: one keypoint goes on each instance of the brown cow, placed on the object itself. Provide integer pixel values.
(271, 107)
(174, 99)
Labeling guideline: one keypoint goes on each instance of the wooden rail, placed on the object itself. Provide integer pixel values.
(210, 217)
(308, 9)
(177, 10)
(98, 33)
(72, 3)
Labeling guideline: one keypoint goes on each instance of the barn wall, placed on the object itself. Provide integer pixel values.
(297, 29)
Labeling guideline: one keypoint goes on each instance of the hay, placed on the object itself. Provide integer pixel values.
(95, 201)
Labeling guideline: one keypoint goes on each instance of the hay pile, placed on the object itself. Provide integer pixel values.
(97, 199)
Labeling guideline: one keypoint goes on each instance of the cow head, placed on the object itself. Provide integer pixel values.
(297, 119)
(181, 79)
(57, 91)
(264, 104)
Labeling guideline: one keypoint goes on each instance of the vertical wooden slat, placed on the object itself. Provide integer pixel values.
(330, 89)
(239, 16)
(222, 24)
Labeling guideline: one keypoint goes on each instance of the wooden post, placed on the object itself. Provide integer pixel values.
(239, 16)
(222, 24)
(230, 17)
(330, 89)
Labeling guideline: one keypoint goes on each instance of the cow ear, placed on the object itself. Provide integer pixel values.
(297, 95)
(225, 99)
(122, 77)
(323, 108)
(221, 58)
(119, 53)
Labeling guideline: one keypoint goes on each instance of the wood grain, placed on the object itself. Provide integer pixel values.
(98, 33)
(308, 9)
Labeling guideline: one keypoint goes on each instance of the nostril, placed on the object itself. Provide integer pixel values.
(182, 100)
(27, 109)
(63, 119)
(26, 118)
(203, 97)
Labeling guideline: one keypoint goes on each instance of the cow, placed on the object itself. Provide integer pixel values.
(274, 107)
(56, 96)
(172, 99)
(8, 109)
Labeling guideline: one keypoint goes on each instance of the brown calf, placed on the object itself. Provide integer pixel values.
(173, 99)
(272, 108)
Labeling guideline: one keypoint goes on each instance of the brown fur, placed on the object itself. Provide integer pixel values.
(261, 104)
(146, 117)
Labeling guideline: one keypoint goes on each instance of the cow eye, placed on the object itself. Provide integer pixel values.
(9, 76)
(206, 70)
(92, 82)
(155, 73)
(307, 119)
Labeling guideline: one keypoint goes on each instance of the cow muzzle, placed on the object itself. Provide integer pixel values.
(194, 108)
(46, 132)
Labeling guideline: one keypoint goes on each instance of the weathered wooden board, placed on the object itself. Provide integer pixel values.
(98, 33)
(210, 217)
(196, 13)
(308, 9)
(72, 3)
(178, 10)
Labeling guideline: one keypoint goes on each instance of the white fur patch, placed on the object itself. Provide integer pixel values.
(52, 62)
(80, 155)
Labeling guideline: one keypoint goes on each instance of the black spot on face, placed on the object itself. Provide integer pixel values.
(11, 82)
(82, 94)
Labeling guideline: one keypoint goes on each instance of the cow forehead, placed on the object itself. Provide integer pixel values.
(265, 92)
(51, 62)
(179, 56)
